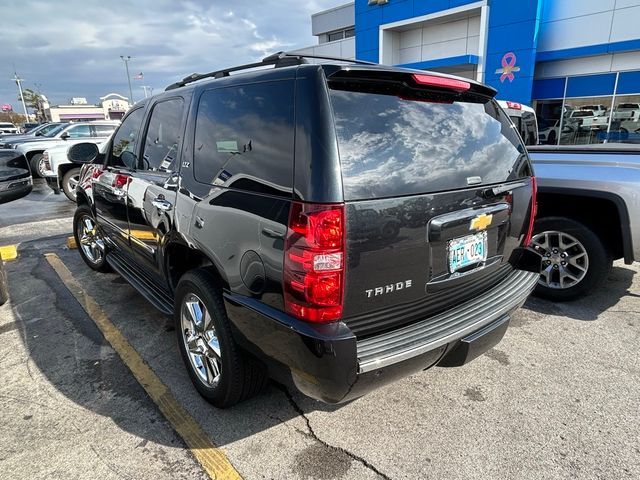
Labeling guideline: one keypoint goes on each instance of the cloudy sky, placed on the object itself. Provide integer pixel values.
(72, 48)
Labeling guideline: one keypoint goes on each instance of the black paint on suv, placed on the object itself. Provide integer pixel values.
(334, 226)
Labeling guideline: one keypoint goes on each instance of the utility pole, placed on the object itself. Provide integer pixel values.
(125, 59)
(18, 81)
(147, 88)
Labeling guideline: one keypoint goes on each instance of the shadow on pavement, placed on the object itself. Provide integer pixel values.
(589, 308)
(71, 352)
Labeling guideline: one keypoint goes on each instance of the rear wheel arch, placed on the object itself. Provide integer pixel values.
(602, 212)
(180, 259)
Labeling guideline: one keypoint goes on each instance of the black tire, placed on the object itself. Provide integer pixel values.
(68, 190)
(599, 257)
(552, 138)
(100, 264)
(33, 163)
(241, 376)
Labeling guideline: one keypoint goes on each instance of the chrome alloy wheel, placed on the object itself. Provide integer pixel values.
(90, 239)
(73, 182)
(565, 261)
(200, 340)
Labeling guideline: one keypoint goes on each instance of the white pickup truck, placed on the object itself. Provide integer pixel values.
(59, 172)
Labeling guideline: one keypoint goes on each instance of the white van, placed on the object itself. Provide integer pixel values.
(524, 118)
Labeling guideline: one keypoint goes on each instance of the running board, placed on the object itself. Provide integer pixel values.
(158, 298)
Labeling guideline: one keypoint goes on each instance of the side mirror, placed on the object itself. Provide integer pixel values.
(38, 134)
(65, 135)
(83, 152)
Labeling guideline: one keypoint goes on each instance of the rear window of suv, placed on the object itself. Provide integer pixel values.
(392, 146)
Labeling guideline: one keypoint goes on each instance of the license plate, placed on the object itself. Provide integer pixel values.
(466, 251)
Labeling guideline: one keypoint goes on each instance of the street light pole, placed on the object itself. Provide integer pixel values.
(125, 59)
(18, 81)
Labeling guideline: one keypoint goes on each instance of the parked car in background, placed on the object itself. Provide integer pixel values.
(242, 204)
(15, 175)
(576, 117)
(548, 133)
(33, 148)
(627, 112)
(598, 110)
(59, 172)
(6, 127)
(588, 215)
(26, 127)
(45, 130)
(524, 118)
(15, 183)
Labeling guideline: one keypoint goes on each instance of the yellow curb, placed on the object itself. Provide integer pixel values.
(9, 252)
(212, 459)
(71, 243)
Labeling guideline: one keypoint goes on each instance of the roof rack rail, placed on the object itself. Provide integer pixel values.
(279, 59)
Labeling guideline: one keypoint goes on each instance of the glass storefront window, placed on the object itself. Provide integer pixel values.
(611, 118)
(625, 124)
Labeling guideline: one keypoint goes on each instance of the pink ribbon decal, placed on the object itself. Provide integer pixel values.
(508, 67)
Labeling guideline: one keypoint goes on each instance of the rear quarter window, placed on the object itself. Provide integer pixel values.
(390, 146)
(244, 137)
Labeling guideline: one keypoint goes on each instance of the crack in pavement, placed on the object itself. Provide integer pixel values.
(312, 434)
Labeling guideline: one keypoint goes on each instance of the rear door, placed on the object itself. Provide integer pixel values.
(151, 195)
(437, 189)
(111, 183)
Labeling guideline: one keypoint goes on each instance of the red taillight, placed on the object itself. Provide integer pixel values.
(120, 181)
(534, 210)
(314, 262)
(514, 105)
(444, 82)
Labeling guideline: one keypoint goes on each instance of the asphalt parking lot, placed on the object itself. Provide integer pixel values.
(557, 398)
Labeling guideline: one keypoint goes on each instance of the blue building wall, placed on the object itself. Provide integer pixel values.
(513, 31)
(370, 17)
(513, 41)
(511, 47)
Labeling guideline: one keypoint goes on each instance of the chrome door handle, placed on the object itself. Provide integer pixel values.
(161, 204)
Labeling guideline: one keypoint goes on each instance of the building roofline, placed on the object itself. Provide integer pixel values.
(332, 9)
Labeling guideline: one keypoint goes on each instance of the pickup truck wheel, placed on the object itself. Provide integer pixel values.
(574, 259)
(34, 163)
(219, 370)
(70, 182)
(89, 240)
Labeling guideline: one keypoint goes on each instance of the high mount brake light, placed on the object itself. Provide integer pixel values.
(314, 262)
(534, 210)
(443, 82)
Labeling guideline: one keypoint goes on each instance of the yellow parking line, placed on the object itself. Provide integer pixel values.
(9, 252)
(212, 459)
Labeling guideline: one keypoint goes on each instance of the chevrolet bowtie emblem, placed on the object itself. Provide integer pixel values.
(481, 222)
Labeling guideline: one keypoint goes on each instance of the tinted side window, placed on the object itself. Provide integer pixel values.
(123, 148)
(163, 136)
(79, 131)
(244, 137)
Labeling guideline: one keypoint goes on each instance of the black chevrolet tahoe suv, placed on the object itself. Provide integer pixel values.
(332, 225)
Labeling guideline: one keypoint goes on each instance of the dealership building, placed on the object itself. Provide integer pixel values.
(544, 53)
